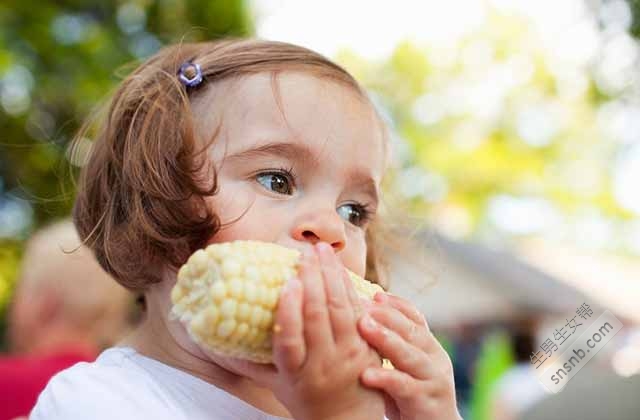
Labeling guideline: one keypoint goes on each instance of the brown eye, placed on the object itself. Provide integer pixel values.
(275, 182)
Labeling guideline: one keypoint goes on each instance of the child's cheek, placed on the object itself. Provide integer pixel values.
(231, 200)
(232, 205)
(252, 221)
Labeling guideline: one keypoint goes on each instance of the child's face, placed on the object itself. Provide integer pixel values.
(333, 145)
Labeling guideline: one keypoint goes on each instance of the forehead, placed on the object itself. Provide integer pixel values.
(332, 120)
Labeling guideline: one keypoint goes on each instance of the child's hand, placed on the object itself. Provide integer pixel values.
(318, 350)
(421, 385)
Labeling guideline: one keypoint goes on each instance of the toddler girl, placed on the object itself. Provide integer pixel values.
(247, 139)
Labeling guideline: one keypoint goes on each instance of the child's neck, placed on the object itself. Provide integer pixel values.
(151, 339)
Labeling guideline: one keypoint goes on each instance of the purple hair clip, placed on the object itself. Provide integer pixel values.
(190, 74)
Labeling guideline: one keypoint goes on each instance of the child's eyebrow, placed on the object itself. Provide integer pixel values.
(364, 181)
(288, 150)
(304, 155)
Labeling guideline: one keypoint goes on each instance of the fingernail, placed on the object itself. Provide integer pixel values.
(323, 247)
(380, 297)
(370, 375)
(291, 285)
(307, 251)
(368, 322)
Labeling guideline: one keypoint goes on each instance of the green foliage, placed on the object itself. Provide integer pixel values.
(58, 60)
(494, 115)
(635, 11)
(10, 252)
(63, 56)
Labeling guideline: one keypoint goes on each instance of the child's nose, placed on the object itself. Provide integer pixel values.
(323, 227)
(312, 238)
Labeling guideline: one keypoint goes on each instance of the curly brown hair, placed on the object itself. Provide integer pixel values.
(141, 196)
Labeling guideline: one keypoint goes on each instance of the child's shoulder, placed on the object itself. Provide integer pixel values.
(125, 385)
(113, 386)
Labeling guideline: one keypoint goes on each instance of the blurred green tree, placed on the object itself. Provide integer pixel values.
(58, 60)
(499, 136)
(635, 11)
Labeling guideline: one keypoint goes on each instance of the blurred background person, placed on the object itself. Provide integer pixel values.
(65, 310)
(518, 388)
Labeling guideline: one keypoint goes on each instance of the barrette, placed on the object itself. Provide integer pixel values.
(190, 74)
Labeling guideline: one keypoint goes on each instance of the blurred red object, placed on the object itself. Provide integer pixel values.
(22, 378)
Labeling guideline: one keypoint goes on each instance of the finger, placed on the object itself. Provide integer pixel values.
(403, 355)
(403, 306)
(340, 310)
(289, 350)
(401, 387)
(391, 410)
(392, 319)
(354, 299)
(317, 328)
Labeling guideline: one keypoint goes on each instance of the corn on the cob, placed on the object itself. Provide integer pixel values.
(226, 295)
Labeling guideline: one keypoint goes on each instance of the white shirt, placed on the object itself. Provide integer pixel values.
(125, 385)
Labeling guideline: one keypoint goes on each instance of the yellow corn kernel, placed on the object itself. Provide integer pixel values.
(227, 295)
(225, 328)
(236, 288)
(239, 333)
(219, 291)
(244, 311)
(228, 308)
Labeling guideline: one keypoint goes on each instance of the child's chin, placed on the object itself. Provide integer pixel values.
(219, 359)
(232, 364)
